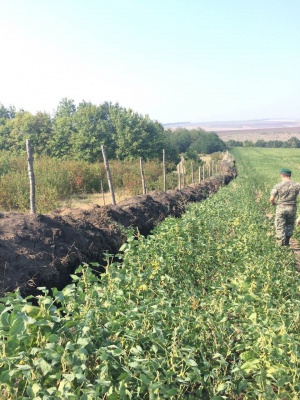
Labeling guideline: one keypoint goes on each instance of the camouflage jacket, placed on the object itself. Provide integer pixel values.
(286, 192)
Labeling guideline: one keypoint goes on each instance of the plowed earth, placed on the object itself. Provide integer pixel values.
(43, 250)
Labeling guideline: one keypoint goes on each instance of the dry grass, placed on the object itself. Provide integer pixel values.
(85, 201)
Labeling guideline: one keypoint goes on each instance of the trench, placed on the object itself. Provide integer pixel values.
(43, 250)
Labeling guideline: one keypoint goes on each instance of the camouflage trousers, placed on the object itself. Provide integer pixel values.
(285, 220)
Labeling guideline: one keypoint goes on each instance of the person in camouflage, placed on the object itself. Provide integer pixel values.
(284, 197)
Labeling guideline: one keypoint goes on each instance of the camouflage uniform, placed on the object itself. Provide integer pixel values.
(286, 193)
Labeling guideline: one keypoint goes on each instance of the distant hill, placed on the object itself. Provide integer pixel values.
(219, 126)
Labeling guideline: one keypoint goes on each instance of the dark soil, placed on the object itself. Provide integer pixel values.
(43, 250)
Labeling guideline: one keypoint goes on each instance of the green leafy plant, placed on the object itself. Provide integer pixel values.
(206, 307)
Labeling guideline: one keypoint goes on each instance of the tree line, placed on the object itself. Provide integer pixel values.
(293, 142)
(194, 142)
(78, 131)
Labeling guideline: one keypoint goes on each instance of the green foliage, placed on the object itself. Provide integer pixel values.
(194, 141)
(136, 135)
(207, 307)
(77, 132)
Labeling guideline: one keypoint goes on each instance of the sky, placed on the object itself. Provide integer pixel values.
(174, 60)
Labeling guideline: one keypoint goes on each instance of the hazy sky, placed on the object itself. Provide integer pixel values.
(175, 60)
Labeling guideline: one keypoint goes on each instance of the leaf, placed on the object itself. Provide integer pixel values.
(74, 277)
(33, 390)
(83, 342)
(247, 355)
(53, 338)
(242, 385)
(113, 396)
(17, 327)
(253, 317)
(133, 364)
(23, 367)
(221, 387)
(43, 365)
(171, 392)
(69, 346)
(123, 376)
(5, 322)
(155, 348)
(145, 379)
(250, 365)
(5, 376)
(136, 350)
(124, 247)
(80, 377)
(191, 362)
(117, 352)
(69, 377)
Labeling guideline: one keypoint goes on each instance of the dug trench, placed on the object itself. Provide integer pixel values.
(43, 250)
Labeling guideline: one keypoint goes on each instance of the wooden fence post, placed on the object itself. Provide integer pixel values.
(143, 176)
(164, 169)
(192, 168)
(110, 185)
(179, 176)
(31, 176)
(183, 172)
(199, 173)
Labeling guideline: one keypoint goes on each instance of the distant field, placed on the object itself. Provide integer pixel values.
(257, 134)
(246, 130)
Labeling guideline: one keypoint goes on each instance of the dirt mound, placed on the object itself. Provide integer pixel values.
(43, 250)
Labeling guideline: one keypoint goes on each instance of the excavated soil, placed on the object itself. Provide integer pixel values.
(43, 250)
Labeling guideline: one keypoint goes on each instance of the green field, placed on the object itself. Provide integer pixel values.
(207, 307)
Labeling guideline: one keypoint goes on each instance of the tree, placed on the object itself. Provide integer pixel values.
(206, 142)
(293, 142)
(234, 143)
(136, 135)
(275, 143)
(171, 152)
(20, 128)
(88, 133)
(248, 143)
(66, 108)
(62, 129)
(7, 113)
(260, 143)
(180, 139)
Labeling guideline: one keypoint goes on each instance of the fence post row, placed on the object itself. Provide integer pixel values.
(110, 184)
(212, 167)
(31, 176)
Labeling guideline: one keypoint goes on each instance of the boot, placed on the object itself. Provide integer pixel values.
(287, 240)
